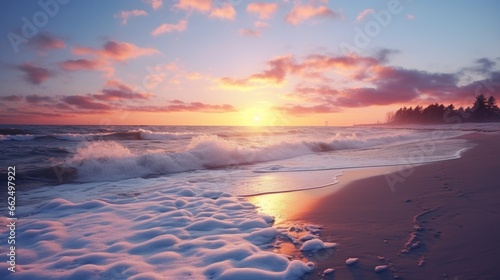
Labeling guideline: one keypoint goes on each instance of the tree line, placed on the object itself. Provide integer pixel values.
(483, 110)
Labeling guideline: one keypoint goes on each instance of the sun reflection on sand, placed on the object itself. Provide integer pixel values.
(289, 207)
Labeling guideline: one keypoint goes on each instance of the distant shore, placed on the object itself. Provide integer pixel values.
(441, 222)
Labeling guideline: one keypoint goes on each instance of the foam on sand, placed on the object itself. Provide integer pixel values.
(316, 244)
(351, 261)
(181, 231)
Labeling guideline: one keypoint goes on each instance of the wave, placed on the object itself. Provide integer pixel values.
(140, 134)
(12, 131)
(109, 160)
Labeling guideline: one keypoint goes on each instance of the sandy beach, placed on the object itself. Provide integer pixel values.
(439, 222)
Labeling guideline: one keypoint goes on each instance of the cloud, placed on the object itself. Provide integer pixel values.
(85, 102)
(116, 90)
(262, 9)
(261, 24)
(33, 74)
(298, 110)
(300, 13)
(249, 32)
(81, 64)
(45, 41)
(362, 15)
(11, 98)
(88, 65)
(114, 50)
(276, 74)
(181, 106)
(124, 15)
(312, 66)
(198, 5)
(481, 66)
(155, 4)
(36, 99)
(410, 17)
(225, 12)
(328, 82)
(170, 27)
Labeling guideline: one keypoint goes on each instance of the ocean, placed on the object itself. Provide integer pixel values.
(167, 202)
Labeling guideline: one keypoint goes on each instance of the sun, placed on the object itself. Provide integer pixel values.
(256, 119)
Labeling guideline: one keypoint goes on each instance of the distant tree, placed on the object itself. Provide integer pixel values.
(390, 117)
(483, 110)
(480, 109)
(492, 104)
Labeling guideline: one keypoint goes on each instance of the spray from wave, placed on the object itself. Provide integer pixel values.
(109, 160)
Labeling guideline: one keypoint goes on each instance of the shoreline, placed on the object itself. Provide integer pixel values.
(440, 222)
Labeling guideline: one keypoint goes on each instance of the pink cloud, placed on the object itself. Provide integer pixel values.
(125, 15)
(261, 24)
(115, 90)
(81, 64)
(198, 5)
(410, 17)
(361, 16)
(300, 13)
(36, 99)
(11, 98)
(263, 10)
(371, 82)
(85, 102)
(34, 74)
(155, 4)
(249, 32)
(181, 106)
(225, 12)
(276, 74)
(45, 42)
(115, 50)
(298, 110)
(170, 27)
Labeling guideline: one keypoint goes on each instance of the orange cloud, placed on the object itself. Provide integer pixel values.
(361, 16)
(118, 51)
(198, 5)
(225, 12)
(300, 13)
(124, 15)
(276, 74)
(261, 24)
(155, 4)
(263, 10)
(170, 27)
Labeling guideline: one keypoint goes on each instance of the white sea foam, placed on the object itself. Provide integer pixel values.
(316, 244)
(95, 161)
(351, 261)
(154, 135)
(172, 231)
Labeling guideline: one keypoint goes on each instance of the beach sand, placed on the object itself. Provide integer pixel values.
(438, 221)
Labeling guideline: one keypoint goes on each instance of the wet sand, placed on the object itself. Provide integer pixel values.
(434, 221)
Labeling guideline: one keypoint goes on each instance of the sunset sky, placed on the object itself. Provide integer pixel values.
(236, 62)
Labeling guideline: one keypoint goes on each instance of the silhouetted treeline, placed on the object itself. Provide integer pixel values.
(483, 110)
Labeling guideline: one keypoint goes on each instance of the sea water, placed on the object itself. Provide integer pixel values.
(165, 202)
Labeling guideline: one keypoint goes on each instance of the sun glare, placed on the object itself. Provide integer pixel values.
(256, 119)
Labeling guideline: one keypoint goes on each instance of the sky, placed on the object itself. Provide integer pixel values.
(237, 62)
